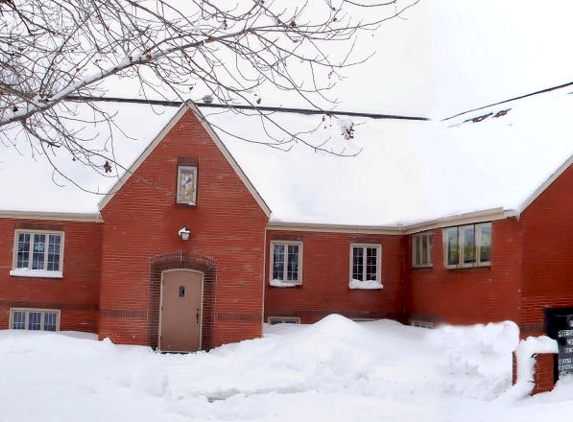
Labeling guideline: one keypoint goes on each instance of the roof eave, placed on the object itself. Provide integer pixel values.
(54, 216)
(398, 229)
(333, 228)
(492, 214)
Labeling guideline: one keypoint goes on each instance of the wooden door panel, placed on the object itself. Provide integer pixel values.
(181, 311)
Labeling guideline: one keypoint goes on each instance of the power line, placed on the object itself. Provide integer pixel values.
(248, 107)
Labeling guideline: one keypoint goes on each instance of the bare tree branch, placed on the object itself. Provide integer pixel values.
(232, 50)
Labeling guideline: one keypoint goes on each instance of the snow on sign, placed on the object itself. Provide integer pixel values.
(560, 327)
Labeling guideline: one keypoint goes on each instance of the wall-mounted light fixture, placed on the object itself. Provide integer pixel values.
(184, 233)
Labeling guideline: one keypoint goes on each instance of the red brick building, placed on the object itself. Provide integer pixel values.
(202, 237)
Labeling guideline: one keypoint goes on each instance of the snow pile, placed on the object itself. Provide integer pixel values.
(335, 370)
(478, 359)
(332, 355)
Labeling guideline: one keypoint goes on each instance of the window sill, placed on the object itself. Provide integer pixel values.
(24, 272)
(280, 283)
(365, 285)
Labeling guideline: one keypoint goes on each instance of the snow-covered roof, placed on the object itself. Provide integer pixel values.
(379, 173)
(408, 172)
(29, 182)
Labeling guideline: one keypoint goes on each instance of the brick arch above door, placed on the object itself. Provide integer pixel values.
(182, 260)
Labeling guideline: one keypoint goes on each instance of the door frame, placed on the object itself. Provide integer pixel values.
(200, 304)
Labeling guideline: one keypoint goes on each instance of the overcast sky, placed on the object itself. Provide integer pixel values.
(453, 55)
(447, 56)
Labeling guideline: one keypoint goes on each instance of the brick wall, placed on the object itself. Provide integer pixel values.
(76, 294)
(544, 377)
(548, 252)
(326, 274)
(142, 221)
(471, 295)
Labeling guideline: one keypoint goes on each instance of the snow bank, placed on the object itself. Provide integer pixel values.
(335, 370)
(477, 359)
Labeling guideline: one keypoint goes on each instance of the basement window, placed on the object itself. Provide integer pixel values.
(422, 324)
(467, 246)
(38, 254)
(273, 320)
(34, 319)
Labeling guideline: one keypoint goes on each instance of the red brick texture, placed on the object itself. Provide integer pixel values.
(76, 294)
(544, 373)
(326, 274)
(548, 252)
(471, 295)
(142, 221)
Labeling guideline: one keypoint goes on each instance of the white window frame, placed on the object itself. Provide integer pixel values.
(43, 272)
(189, 197)
(273, 320)
(365, 246)
(282, 282)
(418, 258)
(461, 238)
(28, 311)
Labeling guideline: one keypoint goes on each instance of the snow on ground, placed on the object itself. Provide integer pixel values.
(334, 370)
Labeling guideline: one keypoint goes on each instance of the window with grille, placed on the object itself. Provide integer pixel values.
(366, 262)
(286, 262)
(34, 319)
(38, 253)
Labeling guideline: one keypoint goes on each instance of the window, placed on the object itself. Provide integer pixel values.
(421, 324)
(286, 263)
(467, 246)
(273, 320)
(422, 250)
(365, 263)
(38, 254)
(187, 185)
(34, 319)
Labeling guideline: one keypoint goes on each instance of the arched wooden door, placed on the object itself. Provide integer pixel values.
(181, 311)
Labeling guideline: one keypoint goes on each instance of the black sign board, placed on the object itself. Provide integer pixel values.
(559, 325)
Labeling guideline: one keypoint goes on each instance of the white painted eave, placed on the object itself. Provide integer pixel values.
(333, 228)
(54, 216)
(493, 214)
